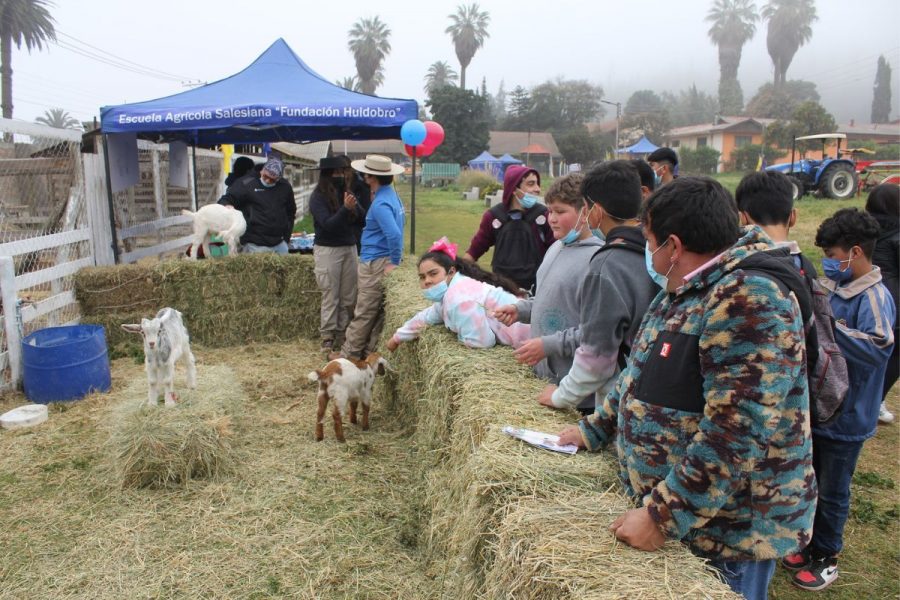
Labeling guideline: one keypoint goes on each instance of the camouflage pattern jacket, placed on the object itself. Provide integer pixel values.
(711, 416)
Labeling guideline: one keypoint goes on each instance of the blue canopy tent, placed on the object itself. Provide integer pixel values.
(506, 160)
(488, 163)
(277, 98)
(642, 146)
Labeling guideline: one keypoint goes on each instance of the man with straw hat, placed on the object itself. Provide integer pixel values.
(382, 248)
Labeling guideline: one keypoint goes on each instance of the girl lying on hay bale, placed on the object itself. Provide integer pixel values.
(464, 297)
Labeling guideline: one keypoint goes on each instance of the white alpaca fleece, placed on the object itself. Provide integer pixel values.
(347, 383)
(216, 219)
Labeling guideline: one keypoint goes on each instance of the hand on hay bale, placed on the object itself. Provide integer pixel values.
(507, 314)
(546, 396)
(638, 529)
(531, 352)
(571, 435)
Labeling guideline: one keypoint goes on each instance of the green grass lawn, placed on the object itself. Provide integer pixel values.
(871, 559)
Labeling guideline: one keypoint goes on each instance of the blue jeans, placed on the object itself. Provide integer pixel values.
(834, 462)
(750, 578)
(281, 248)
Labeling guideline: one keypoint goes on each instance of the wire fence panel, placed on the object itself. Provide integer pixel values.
(43, 228)
(143, 212)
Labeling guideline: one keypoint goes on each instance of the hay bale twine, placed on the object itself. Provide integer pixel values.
(157, 446)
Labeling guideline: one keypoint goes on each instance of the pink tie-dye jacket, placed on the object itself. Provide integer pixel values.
(467, 310)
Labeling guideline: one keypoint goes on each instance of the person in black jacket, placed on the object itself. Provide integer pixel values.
(355, 183)
(337, 217)
(267, 202)
(883, 203)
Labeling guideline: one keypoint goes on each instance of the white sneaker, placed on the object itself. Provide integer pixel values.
(884, 415)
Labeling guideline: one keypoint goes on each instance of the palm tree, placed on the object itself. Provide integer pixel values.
(348, 83)
(440, 73)
(790, 26)
(59, 118)
(21, 21)
(369, 44)
(469, 30)
(733, 25)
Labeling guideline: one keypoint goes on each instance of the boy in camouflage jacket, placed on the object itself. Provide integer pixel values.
(711, 417)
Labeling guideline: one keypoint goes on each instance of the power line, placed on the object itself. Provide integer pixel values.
(121, 59)
(113, 60)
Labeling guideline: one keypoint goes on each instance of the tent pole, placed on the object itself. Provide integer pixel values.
(109, 198)
(412, 208)
(196, 199)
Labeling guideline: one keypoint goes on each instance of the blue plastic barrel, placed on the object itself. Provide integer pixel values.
(64, 363)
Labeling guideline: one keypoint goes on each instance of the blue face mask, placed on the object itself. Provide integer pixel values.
(660, 280)
(657, 180)
(572, 237)
(267, 185)
(528, 200)
(598, 234)
(436, 292)
(832, 269)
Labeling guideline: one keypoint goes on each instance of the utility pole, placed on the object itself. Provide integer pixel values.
(618, 106)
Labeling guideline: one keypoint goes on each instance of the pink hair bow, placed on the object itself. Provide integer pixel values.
(444, 245)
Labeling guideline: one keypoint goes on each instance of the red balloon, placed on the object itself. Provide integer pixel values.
(434, 134)
(421, 150)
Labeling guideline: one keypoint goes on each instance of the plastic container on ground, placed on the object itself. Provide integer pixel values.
(64, 363)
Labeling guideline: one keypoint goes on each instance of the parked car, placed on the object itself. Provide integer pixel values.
(831, 177)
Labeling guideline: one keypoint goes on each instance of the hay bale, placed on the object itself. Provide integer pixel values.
(558, 548)
(459, 399)
(156, 446)
(248, 298)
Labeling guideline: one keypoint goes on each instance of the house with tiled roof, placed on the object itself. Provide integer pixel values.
(724, 134)
(535, 148)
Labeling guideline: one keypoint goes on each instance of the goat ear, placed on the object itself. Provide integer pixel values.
(132, 327)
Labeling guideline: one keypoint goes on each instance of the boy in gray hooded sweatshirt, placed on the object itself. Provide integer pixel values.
(617, 288)
(554, 311)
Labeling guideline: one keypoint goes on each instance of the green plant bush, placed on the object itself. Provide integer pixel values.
(747, 157)
(700, 161)
(474, 178)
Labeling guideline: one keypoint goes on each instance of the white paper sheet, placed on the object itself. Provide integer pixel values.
(547, 441)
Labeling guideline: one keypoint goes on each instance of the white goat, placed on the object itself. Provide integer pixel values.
(347, 383)
(166, 340)
(215, 218)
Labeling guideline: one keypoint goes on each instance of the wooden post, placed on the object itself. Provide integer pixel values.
(157, 192)
(10, 318)
(98, 217)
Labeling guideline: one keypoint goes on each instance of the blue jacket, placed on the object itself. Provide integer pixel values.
(383, 233)
(864, 311)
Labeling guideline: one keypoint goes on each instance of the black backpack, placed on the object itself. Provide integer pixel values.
(516, 251)
(827, 372)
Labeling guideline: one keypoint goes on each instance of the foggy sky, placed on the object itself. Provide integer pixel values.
(622, 46)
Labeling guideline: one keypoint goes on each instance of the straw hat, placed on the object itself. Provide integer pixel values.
(375, 164)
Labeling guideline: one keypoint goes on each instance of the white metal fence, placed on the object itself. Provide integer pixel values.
(55, 219)
(45, 235)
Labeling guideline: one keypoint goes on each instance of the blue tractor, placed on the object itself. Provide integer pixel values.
(833, 177)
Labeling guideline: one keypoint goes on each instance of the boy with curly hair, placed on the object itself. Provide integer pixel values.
(864, 313)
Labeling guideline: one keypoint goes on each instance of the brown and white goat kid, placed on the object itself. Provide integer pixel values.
(166, 341)
(215, 218)
(347, 383)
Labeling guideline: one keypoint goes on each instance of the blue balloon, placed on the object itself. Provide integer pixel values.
(413, 132)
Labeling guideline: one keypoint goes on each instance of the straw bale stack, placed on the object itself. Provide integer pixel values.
(156, 446)
(247, 298)
(458, 400)
(558, 547)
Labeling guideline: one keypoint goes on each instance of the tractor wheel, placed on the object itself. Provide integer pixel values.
(839, 181)
(796, 188)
